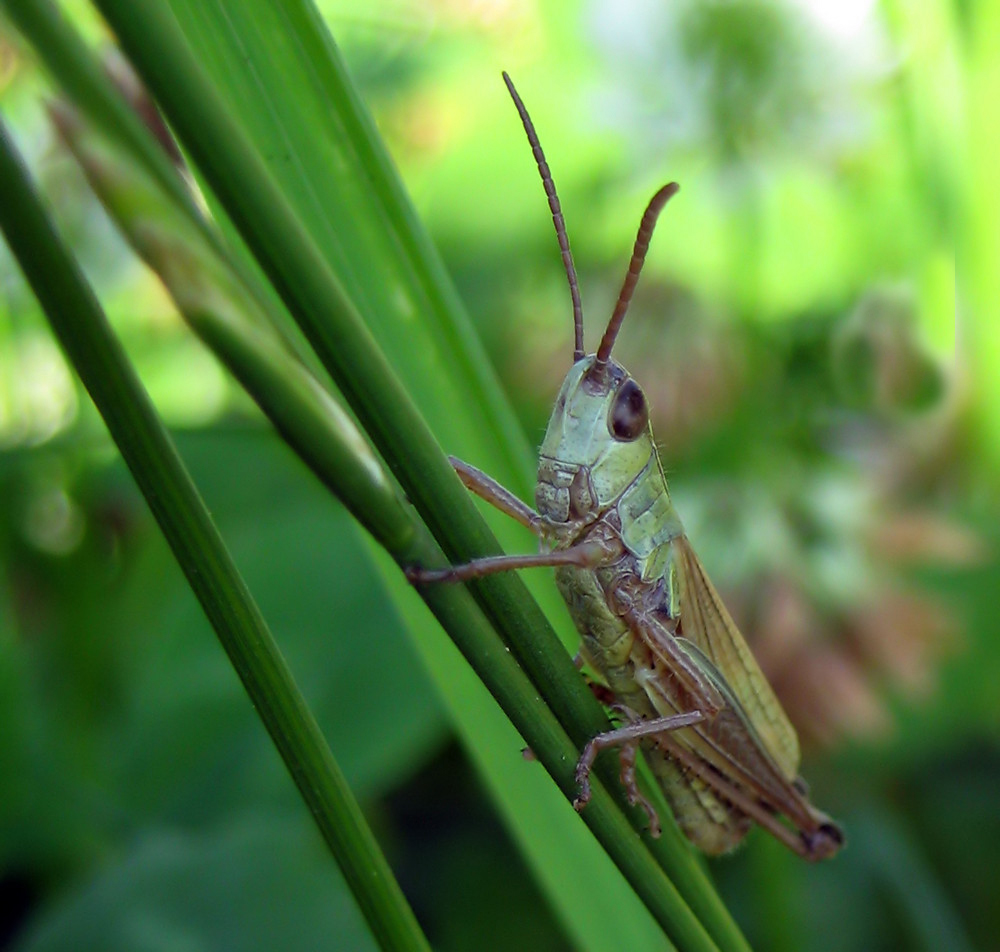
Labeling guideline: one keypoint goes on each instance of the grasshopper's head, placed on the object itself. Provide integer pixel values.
(597, 442)
(598, 439)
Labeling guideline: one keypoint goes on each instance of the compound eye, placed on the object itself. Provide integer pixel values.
(629, 415)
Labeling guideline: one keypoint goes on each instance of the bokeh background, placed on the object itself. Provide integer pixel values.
(819, 420)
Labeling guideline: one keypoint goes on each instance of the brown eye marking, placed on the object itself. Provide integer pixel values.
(629, 415)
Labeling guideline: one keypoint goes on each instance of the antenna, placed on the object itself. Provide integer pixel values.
(649, 217)
(557, 218)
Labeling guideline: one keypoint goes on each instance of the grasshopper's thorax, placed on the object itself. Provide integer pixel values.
(597, 443)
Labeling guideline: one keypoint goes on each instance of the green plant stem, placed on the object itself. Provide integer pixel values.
(978, 243)
(80, 325)
(347, 349)
(333, 325)
(219, 309)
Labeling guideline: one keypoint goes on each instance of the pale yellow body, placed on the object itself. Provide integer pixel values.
(650, 612)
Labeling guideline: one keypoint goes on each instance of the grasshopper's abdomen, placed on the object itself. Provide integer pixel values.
(620, 657)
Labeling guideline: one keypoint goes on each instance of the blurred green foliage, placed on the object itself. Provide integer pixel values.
(795, 332)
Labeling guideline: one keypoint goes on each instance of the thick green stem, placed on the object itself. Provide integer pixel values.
(347, 349)
(220, 310)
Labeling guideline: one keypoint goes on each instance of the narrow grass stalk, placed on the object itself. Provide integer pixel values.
(220, 311)
(317, 300)
(74, 67)
(79, 324)
(94, 95)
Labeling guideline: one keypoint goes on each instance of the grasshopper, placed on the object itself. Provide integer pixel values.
(651, 623)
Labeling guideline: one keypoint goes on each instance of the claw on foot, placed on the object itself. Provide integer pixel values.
(583, 766)
(416, 575)
(583, 797)
(635, 796)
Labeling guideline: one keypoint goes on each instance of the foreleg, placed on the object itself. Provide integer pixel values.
(584, 555)
(485, 487)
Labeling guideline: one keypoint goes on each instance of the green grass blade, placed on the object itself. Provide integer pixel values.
(344, 343)
(74, 67)
(299, 108)
(222, 313)
(529, 800)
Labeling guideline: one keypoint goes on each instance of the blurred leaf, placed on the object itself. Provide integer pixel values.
(258, 883)
(951, 803)
(917, 895)
(751, 59)
(123, 697)
(340, 635)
